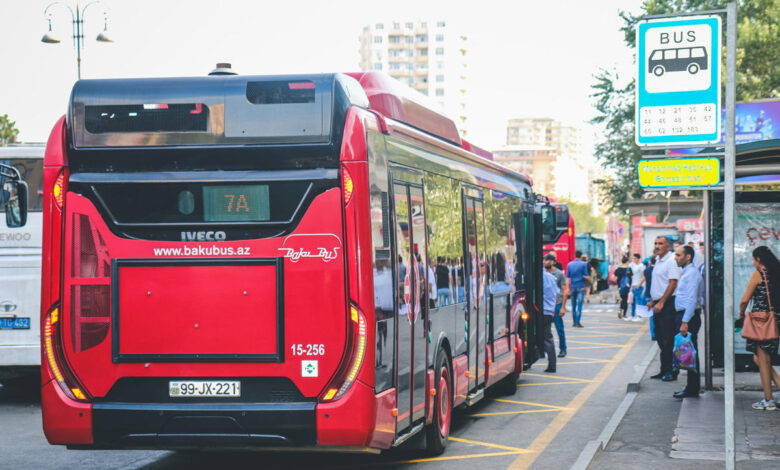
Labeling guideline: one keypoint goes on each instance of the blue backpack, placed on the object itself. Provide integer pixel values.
(624, 284)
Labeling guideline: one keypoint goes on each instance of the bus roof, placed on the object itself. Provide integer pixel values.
(211, 110)
(27, 150)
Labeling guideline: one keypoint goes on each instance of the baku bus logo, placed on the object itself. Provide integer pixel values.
(324, 246)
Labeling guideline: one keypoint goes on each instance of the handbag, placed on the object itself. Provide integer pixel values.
(761, 326)
(684, 353)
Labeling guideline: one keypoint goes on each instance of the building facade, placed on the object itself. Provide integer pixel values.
(428, 56)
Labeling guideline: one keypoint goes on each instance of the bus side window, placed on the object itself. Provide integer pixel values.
(697, 52)
(670, 54)
(657, 55)
(683, 53)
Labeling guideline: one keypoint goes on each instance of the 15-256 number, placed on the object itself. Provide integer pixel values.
(308, 349)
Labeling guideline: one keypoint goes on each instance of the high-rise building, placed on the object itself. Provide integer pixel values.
(551, 153)
(428, 56)
(544, 131)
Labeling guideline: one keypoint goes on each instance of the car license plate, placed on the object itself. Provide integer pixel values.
(18, 323)
(204, 388)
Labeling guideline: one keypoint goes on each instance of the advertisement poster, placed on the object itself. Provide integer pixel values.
(756, 224)
(758, 120)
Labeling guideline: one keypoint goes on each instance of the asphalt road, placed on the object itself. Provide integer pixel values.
(545, 425)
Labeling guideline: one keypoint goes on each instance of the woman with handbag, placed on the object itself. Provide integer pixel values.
(760, 327)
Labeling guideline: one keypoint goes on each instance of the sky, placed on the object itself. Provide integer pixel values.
(526, 58)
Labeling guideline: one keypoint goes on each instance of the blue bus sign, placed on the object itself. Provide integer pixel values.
(678, 81)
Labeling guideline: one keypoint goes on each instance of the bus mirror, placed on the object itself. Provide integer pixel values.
(548, 223)
(14, 199)
(561, 217)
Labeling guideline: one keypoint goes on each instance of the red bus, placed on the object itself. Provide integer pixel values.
(248, 261)
(561, 240)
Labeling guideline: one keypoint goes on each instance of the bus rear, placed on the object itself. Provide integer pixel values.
(199, 265)
(20, 269)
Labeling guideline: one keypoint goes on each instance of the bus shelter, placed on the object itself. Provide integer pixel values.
(757, 222)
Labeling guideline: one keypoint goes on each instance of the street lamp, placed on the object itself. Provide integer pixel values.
(77, 18)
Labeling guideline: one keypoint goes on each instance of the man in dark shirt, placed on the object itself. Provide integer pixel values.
(443, 283)
(577, 272)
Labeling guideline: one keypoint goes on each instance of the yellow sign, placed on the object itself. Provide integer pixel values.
(664, 172)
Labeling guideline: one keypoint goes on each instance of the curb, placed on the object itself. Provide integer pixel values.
(632, 390)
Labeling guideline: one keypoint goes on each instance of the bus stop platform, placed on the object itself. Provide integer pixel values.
(659, 431)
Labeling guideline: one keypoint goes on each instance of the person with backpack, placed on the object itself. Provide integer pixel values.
(623, 279)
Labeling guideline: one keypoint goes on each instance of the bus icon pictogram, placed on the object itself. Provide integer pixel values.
(690, 59)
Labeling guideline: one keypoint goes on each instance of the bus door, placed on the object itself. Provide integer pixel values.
(528, 280)
(476, 282)
(412, 299)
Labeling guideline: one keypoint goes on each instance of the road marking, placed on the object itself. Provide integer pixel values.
(453, 457)
(593, 347)
(548, 434)
(488, 444)
(529, 403)
(537, 384)
(589, 359)
(612, 345)
(581, 362)
(496, 413)
(556, 376)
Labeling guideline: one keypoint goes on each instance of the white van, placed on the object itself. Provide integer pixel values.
(20, 268)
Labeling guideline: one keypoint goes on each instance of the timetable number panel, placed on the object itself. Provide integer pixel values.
(693, 119)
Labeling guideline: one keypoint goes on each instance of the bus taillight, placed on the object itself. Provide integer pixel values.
(59, 190)
(347, 187)
(51, 345)
(343, 382)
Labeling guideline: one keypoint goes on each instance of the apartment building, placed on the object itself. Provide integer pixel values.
(429, 56)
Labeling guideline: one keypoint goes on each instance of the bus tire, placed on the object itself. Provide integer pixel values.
(658, 70)
(693, 69)
(439, 431)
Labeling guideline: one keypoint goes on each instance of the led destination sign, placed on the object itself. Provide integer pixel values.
(236, 203)
(679, 172)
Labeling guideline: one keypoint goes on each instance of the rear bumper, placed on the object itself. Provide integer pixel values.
(244, 425)
(20, 355)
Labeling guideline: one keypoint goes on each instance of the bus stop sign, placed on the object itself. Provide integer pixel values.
(678, 81)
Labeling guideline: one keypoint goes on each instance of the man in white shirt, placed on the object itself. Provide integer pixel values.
(665, 276)
(686, 303)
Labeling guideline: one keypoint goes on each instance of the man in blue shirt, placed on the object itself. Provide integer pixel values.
(686, 303)
(550, 292)
(577, 272)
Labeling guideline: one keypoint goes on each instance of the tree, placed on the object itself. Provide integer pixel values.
(584, 221)
(758, 76)
(8, 130)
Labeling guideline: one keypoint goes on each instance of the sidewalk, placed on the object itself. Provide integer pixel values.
(659, 431)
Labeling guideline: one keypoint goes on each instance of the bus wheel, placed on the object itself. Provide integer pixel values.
(658, 70)
(439, 430)
(693, 68)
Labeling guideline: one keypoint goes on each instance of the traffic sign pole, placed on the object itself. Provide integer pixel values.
(728, 234)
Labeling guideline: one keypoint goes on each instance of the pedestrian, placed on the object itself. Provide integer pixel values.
(577, 273)
(443, 283)
(623, 279)
(763, 289)
(688, 306)
(550, 293)
(637, 269)
(665, 277)
(588, 281)
(647, 278)
(560, 301)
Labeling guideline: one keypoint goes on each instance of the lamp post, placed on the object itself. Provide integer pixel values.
(77, 18)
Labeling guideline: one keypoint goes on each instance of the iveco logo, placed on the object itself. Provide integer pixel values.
(209, 236)
(7, 306)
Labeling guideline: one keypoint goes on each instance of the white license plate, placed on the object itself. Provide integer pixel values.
(204, 388)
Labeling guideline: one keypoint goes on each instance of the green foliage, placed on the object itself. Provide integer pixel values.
(584, 221)
(758, 77)
(8, 130)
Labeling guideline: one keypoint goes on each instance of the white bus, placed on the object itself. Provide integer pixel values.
(20, 269)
